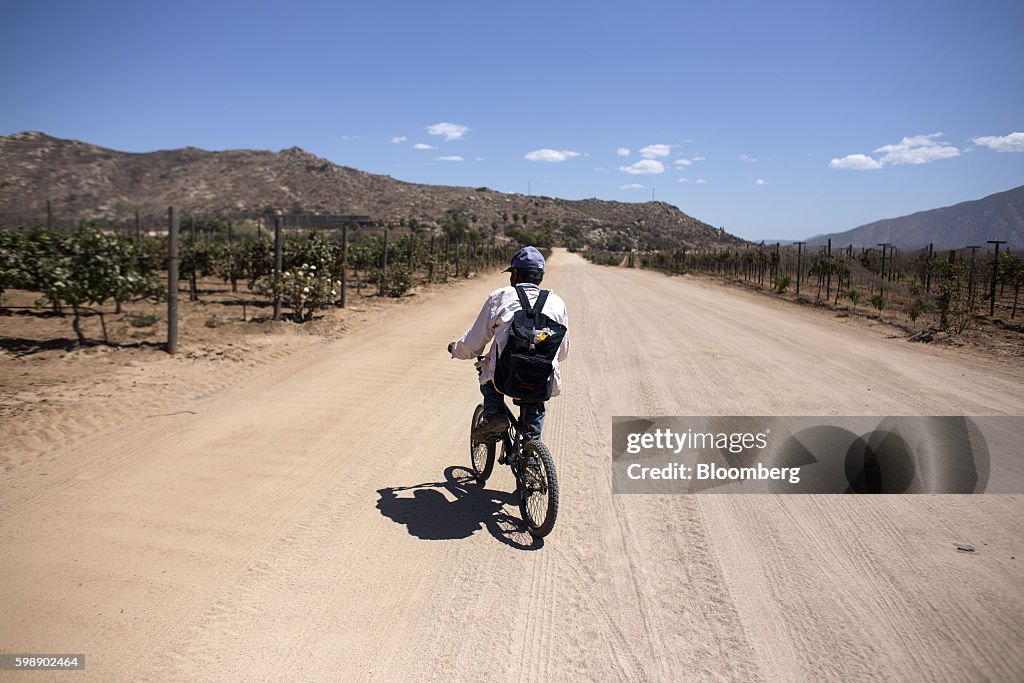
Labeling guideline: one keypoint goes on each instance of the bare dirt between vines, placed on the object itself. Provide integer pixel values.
(314, 518)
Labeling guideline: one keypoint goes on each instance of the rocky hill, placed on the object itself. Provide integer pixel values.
(995, 217)
(83, 181)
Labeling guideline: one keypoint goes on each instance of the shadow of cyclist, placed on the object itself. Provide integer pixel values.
(430, 515)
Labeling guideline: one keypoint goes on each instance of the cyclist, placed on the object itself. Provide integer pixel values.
(526, 271)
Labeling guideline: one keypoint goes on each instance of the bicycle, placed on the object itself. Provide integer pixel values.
(532, 466)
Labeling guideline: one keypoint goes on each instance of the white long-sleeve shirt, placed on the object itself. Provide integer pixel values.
(493, 322)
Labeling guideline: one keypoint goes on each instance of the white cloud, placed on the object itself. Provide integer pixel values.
(622, 151)
(632, 186)
(481, 159)
(683, 162)
(643, 167)
(655, 151)
(550, 155)
(700, 158)
(760, 181)
(701, 181)
(917, 149)
(346, 138)
(1014, 142)
(399, 138)
(684, 180)
(855, 162)
(450, 131)
(420, 145)
(747, 159)
(452, 158)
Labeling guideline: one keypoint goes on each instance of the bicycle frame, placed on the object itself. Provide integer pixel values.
(512, 440)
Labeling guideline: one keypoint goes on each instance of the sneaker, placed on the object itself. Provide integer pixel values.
(491, 427)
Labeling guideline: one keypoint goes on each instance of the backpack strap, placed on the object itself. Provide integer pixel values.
(539, 306)
(535, 310)
(524, 301)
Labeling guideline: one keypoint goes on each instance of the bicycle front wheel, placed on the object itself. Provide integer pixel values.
(481, 454)
(538, 489)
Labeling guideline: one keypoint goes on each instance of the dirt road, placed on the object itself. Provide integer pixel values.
(317, 522)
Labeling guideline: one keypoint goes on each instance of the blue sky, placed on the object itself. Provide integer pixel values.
(774, 120)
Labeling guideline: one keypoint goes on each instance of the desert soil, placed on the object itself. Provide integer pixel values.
(301, 508)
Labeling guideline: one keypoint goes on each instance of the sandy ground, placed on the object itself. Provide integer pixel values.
(313, 517)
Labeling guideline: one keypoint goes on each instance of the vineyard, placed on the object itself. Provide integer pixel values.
(945, 290)
(95, 270)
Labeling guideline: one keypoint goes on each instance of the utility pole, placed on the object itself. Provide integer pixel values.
(995, 273)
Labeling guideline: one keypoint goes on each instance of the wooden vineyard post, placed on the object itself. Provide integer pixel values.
(193, 295)
(970, 278)
(344, 263)
(995, 274)
(799, 265)
(881, 291)
(172, 280)
(430, 266)
(278, 265)
(928, 270)
(828, 273)
(383, 266)
(446, 258)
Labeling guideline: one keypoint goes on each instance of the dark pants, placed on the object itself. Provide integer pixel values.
(533, 413)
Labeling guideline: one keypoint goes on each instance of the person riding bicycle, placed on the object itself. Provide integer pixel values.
(526, 272)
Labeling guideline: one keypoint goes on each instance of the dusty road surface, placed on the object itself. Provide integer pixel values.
(318, 521)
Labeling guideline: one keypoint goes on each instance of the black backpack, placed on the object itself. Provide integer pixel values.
(524, 369)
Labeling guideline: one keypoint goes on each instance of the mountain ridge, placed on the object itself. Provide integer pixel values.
(996, 216)
(86, 181)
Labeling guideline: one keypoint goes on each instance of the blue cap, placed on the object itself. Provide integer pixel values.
(527, 258)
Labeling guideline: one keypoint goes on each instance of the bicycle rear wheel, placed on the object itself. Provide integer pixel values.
(481, 454)
(538, 489)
